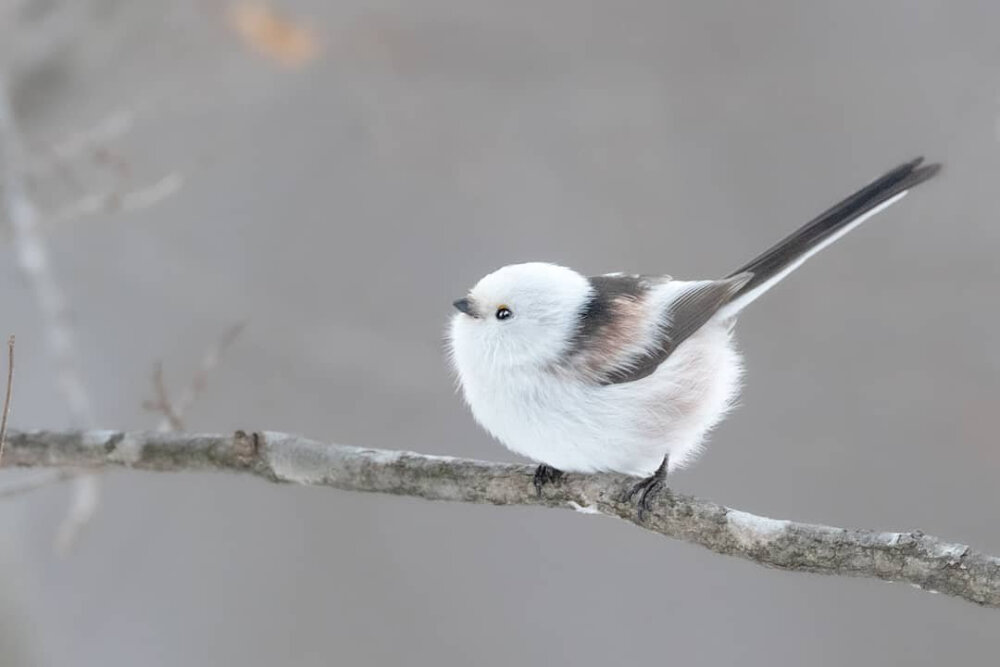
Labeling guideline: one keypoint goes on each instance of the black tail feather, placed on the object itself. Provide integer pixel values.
(799, 243)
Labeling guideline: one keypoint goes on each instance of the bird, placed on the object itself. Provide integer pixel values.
(621, 372)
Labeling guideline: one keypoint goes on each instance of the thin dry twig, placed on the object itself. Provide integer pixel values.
(162, 403)
(173, 412)
(911, 557)
(6, 399)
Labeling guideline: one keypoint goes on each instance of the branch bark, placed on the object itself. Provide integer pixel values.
(912, 557)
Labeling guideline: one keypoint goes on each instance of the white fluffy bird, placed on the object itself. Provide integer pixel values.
(624, 373)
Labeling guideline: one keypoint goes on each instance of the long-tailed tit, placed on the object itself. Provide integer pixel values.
(624, 373)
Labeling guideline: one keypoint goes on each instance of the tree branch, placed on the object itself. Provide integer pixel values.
(912, 557)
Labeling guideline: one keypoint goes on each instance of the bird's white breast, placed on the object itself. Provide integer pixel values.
(575, 425)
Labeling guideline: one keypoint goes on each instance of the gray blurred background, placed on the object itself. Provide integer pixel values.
(339, 180)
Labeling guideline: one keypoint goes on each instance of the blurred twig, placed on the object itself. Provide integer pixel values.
(105, 202)
(33, 258)
(162, 403)
(173, 411)
(63, 159)
(113, 126)
(911, 557)
(41, 480)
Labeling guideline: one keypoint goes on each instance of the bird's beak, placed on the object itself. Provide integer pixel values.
(464, 305)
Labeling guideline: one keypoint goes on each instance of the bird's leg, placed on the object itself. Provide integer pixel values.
(545, 475)
(648, 488)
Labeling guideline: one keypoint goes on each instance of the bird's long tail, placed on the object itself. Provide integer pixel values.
(771, 267)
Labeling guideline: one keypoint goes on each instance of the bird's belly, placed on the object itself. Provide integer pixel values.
(549, 422)
(626, 427)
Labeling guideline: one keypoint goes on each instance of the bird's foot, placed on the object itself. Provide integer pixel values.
(546, 475)
(647, 490)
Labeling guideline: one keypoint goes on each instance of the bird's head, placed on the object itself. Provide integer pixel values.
(518, 316)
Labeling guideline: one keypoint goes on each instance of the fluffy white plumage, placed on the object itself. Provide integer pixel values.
(615, 373)
(512, 380)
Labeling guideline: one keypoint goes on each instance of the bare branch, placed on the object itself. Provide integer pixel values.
(6, 400)
(912, 557)
(33, 257)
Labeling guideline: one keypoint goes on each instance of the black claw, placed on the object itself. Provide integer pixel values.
(647, 490)
(546, 475)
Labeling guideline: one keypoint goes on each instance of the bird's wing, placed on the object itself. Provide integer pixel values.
(634, 323)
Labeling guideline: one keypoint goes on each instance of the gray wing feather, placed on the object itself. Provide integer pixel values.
(687, 313)
(692, 309)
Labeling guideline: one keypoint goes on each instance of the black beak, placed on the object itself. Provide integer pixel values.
(465, 305)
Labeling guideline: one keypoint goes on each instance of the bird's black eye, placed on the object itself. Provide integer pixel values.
(503, 312)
